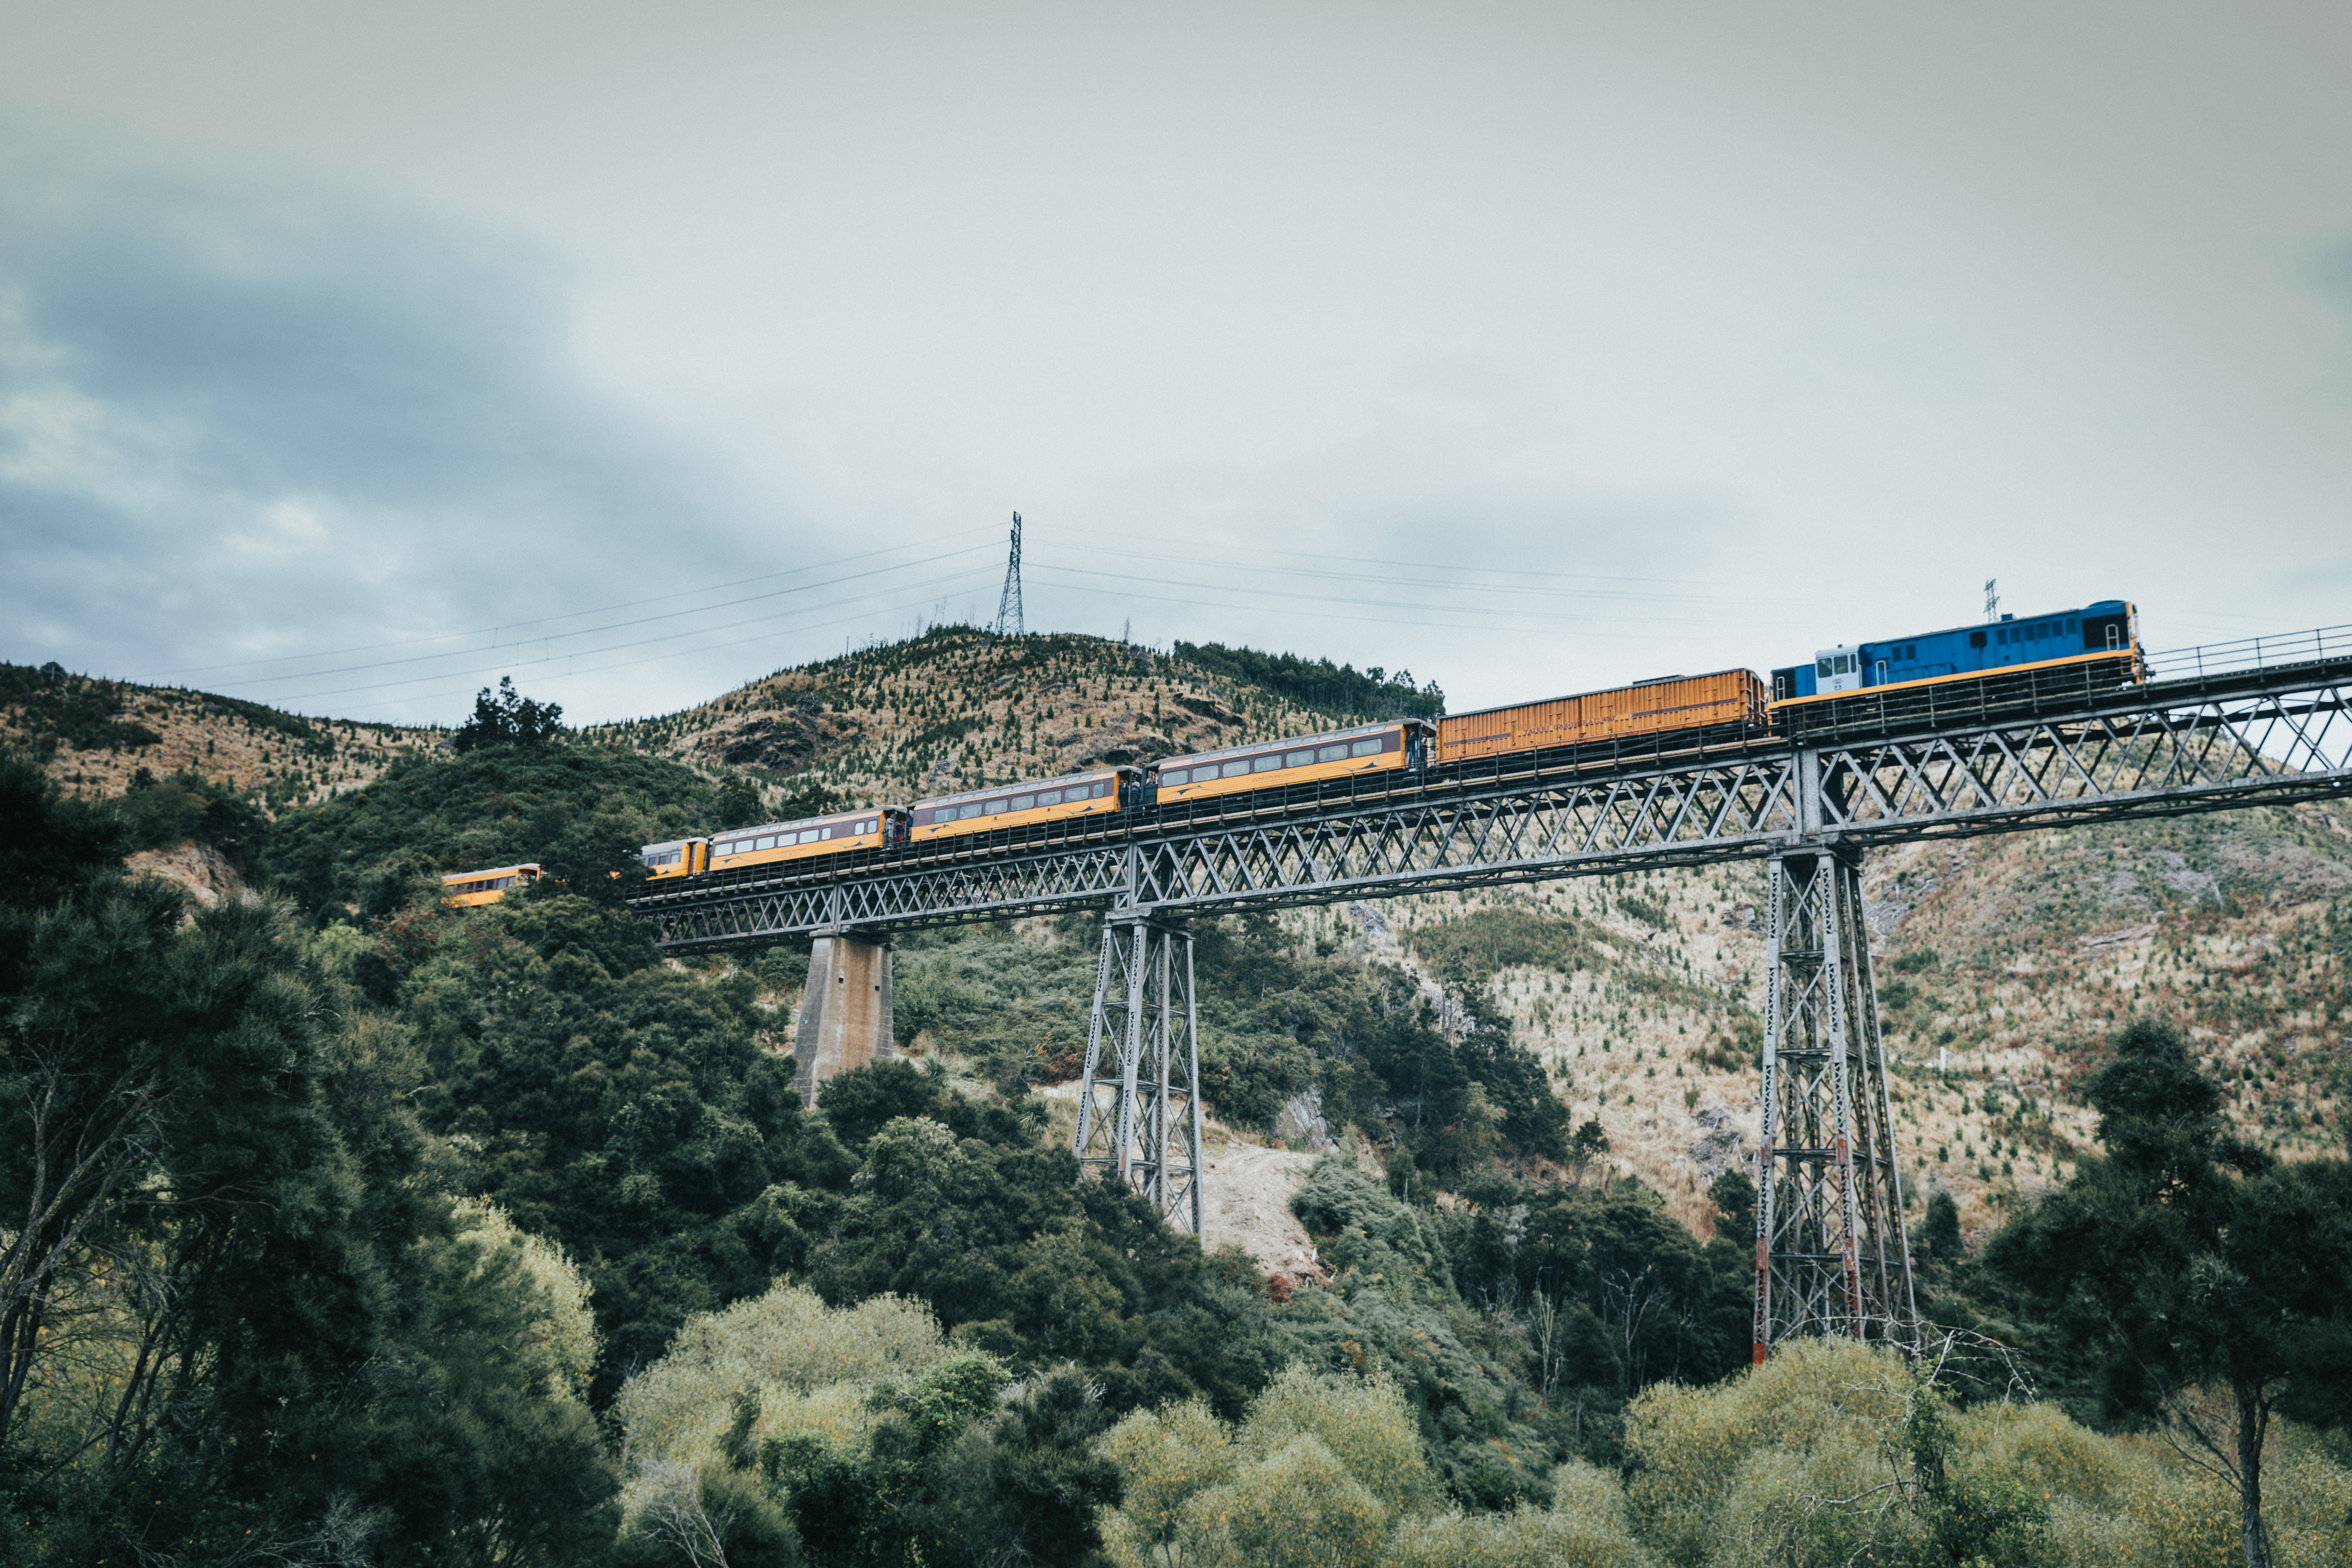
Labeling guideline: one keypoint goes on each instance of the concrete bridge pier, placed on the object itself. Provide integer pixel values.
(844, 1011)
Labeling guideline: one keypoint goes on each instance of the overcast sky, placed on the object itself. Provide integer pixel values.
(352, 356)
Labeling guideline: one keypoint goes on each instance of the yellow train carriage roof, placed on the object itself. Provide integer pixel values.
(995, 790)
(1281, 743)
(449, 877)
(793, 825)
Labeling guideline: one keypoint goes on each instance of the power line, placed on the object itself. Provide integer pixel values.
(575, 615)
(609, 626)
(1295, 607)
(510, 665)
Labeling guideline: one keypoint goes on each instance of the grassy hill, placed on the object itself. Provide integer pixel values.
(96, 736)
(959, 708)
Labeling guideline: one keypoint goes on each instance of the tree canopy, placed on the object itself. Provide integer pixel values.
(2189, 1259)
(508, 719)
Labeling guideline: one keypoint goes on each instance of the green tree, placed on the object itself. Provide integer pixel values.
(2188, 1258)
(508, 719)
(238, 1316)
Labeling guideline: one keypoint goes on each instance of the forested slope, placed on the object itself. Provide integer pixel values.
(525, 1224)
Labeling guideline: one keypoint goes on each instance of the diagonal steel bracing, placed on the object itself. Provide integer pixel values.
(1140, 1095)
(2139, 755)
(1831, 1256)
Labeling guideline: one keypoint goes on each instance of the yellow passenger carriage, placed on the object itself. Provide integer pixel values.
(1400, 743)
(1099, 793)
(771, 843)
(465, 890)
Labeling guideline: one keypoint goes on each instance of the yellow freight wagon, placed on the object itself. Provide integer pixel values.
(466, 889)
(1645, 708)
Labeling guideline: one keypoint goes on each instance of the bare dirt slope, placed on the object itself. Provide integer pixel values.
(1249, 1190)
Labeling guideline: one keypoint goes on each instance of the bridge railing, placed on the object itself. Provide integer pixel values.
(2250, 653)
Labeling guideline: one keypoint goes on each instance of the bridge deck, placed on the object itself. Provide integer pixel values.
(2037, 757)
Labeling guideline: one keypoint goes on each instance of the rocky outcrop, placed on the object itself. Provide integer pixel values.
(1301, 1117)
(198, 867)
(779, 742)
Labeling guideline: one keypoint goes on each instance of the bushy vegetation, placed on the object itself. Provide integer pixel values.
(58, 710)
(581, 812)
(184, 807)
(1338, 690)
(492, 1236)
(508, 719)
(238, 1315)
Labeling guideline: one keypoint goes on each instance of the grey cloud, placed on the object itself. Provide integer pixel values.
(244, 415)
(2330, 271)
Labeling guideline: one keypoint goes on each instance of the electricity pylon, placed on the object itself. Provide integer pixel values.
(1008, 603)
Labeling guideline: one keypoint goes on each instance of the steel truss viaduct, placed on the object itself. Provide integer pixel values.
(1832, 1253)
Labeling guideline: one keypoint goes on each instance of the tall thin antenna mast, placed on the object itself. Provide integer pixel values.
(1008, 604)
(1992, 593)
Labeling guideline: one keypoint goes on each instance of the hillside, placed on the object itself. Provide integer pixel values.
(1642, 994)
(959, 708)
(2012, 958)
(94, 736)
(549, 1217)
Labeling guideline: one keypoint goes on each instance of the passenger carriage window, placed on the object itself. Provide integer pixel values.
(1176, 776)
(1049, 797)
(965, 812)
(1024, 803)
(1331, 753)
(1103, 788)
(1366, 748)
(1270, 763)
(996, 809)
(1235, 769)
(766, 842)
(1297, 759)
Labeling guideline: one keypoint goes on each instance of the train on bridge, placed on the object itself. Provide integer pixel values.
(1923, 677)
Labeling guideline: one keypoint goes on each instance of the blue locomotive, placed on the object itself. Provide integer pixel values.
(2095, 636)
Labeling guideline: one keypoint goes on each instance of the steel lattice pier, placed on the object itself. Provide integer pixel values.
(1148, 1132)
